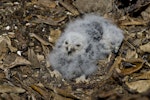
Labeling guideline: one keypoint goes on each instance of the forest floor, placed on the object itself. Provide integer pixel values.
(29, 30)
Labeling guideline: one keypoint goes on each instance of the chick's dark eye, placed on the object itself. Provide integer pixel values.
(66, 42)
(78, 45)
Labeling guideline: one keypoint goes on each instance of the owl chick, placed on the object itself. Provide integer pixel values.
(82, 44)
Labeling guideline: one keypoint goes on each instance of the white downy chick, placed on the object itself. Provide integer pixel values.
(82, 44)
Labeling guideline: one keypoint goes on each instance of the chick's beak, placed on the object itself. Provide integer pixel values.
(70, 50)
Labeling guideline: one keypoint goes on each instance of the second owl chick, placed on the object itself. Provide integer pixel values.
(82, 44)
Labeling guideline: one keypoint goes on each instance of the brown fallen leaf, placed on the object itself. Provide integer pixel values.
(145, 47)
(33, 59)
(46, 3)
(6, 96)
(12, 61)
(65, 91)
(43, 42)
(2, 75)
(59, 97)
(6, 39)
(138, 6)
(25, 86)
(130, 44)
(11, 35)
(45, 94)
(127, 21)
(11, 89)
(135, 64)
(131, 54)
(15, 96)
(4, 49)
(102, 7)
(69, 7)
(142, 76)
(55, 74)
(46, 50)
(115, 66)
(69, 93)
(49, 20)
(75, 92)
(103, 94)
(82, 79)
(54, 35)
(59, 19)
(139, 86)
(40, 57)
(146, 14)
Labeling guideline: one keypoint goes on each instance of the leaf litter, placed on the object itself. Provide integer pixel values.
(33, 27)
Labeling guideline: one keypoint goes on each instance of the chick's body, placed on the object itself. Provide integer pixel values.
(82, 44)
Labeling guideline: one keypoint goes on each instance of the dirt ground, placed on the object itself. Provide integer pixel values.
(29, 30)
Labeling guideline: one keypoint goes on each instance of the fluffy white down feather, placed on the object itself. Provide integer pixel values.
(82, 44)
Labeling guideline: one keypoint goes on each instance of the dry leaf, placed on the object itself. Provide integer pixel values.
(135, 65)
(59, 97)
(138, 41)
(145, 47)
(40, 57)
(132, 21)
(2, 75)
(55, 73)
(45, 94)
(56, 95)
(103, 94)
(146, 14)
(6, 39)
(115, 66)
(69, 7)
(139, 86)
(11, 35)
(143, 76)
(82, 79)
(15, 96)
(54, 35)
(13, 60)
(66, 92)
(46, 50)
(46, 3)
(10, 89)
(3, 50)
(97, 6)
(39, 39)
(33, 58)
(131, 54)
(6, 96)
(49, 20)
